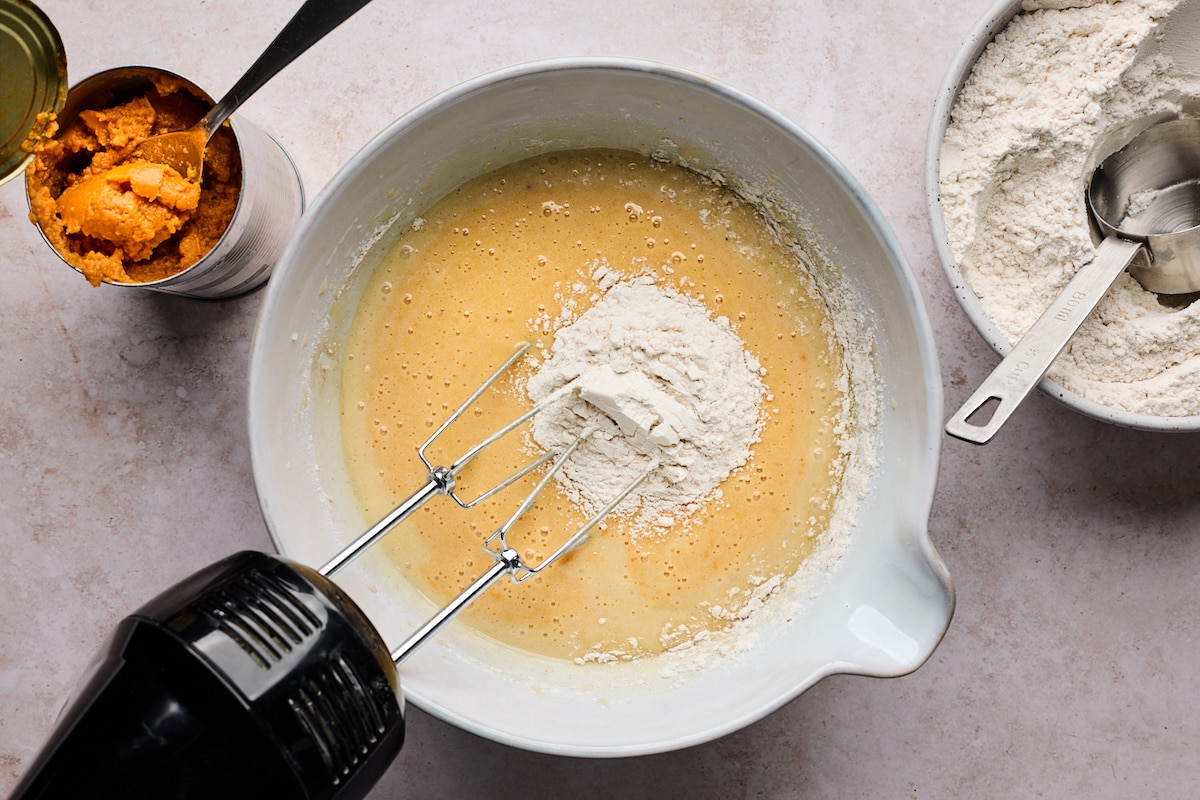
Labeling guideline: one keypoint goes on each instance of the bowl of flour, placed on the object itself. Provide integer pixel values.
(1039, 95)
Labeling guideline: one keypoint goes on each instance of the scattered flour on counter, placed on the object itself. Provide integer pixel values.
(1061, 87)
(655, 378)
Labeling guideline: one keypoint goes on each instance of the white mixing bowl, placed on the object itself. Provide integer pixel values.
(880, 612)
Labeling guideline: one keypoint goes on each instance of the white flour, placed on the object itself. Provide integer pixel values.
(1061, 87)
(658, 381)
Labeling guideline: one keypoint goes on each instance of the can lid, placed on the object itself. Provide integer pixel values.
(33, 81)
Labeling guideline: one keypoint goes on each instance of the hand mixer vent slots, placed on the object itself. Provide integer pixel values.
(341, 720)
(260, 615)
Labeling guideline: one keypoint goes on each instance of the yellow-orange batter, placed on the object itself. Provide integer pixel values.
(507, 258)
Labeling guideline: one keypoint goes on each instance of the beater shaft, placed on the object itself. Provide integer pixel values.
(509, 559)
(392, 518)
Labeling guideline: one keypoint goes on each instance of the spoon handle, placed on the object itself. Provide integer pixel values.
(1022, 369)
(311, 22)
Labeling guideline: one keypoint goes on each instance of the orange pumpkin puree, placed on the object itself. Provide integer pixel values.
(134, 222)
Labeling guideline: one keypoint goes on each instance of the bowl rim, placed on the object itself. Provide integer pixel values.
(941, 608)
(982, 34)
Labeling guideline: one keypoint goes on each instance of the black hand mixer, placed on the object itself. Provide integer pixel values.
(257, 677)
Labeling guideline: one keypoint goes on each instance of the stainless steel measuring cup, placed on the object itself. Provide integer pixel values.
(1145, 202)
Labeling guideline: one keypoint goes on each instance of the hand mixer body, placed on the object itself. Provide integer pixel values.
(254, 677)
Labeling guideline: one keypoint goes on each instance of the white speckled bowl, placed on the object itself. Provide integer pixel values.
(956, 77)
(882, 610)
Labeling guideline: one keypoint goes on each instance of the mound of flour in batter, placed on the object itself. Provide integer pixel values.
(655, 379)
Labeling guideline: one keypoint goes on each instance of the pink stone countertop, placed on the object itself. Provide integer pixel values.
(1068, 669)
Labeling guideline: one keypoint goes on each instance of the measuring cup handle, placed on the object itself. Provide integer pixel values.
(1020, 371)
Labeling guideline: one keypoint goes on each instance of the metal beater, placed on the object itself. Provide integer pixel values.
(258, 677)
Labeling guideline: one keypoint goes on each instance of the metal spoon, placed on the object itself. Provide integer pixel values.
(1145, 202)
(184, 150)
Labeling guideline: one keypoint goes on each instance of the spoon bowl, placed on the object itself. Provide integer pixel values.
(182, 151)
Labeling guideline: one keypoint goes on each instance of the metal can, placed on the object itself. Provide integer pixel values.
(33, 74)
(270, 199)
